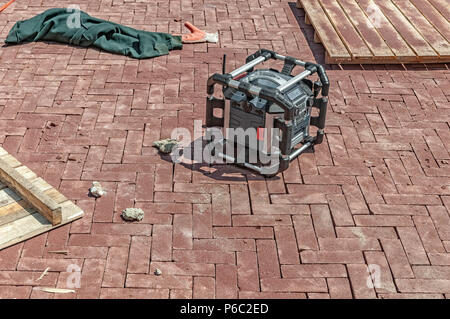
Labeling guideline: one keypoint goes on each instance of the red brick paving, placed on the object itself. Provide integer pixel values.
(376, 192)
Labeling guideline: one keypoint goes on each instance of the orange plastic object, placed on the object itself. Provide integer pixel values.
(195, 36)
(6, 5)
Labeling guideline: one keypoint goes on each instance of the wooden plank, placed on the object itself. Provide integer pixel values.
(44, 204)
(55, 195)
(428, 32)
(328, 35)
(349, 36)
(387, 31)
(26, 172)
(414, 39)
(434, 17)
(22, 193)
(443, 7)
(34, 224)
(23, 228)
(12, 207)
(367, 30)
(11, 160)
(15, 211)
(8, 196)
(41, 184)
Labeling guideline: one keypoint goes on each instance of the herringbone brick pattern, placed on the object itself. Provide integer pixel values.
(376, 192)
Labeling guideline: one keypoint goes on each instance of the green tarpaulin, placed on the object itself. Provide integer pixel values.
(78, 28)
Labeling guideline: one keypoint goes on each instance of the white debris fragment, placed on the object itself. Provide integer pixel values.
(97, 190)
(43, 274)
(158, 272)
(133, 214)
(58, 290)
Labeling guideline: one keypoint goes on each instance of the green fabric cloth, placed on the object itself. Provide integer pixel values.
(52, 25)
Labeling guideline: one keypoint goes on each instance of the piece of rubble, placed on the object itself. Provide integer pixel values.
(132, 214)
(97, 190)
(166, 146)
(158, 272)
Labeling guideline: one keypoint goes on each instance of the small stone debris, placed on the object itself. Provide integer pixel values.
(132, 214)
(51, 124)
(158, 272)
(97, 190)
(166, 146)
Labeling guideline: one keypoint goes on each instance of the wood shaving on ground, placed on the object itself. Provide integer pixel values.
(58, 290)
(43, 274)
(61, 252)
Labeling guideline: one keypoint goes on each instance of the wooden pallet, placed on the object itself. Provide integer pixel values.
(29, 206)
(381, 31)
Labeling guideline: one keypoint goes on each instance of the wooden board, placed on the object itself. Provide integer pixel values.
(381, 31)
(22, 218)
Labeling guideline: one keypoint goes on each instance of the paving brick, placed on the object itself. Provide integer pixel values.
(423, 285)
(27, 278)
(91, 278)
(133, 293)
(243, 232)
(183, 268)
(204, 288)
(9, 257)
(413, 246)
(366, 232)
(427, 232)
(339, 210)
(314, 271)
(116, 267)
(304, 230)
(397, 258)
(267, 259)
(247, 271)
(349, 244)
(162, 243)
(359, 276)
(439, 258)
(339, 288)
(226, 282)
(139, 255)
(382, 220)
(411, 296)
(15, 292)
(331, 257)
(294, 285)
(225, 244)
(182, 231)
(97, 240)
(203, 257)
(262, 220)
(323, 224)
(158, 282)
(431, 272)
(441, 220)
(286, 245)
